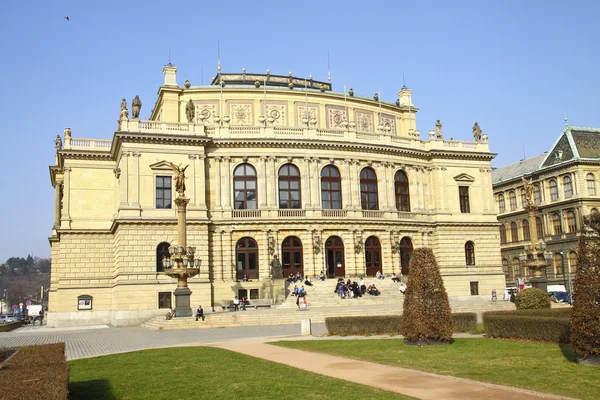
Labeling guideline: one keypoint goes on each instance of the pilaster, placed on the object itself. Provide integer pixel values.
(218, 185)
(355, 194)
(272, 198)
(226, 183)
(65, 218)
(262, 178)
(306, 185)
(383, 185)
(346, 185)
(389, 180)
(201, 180)
(124, 180)
(316, 183)
(135, 184)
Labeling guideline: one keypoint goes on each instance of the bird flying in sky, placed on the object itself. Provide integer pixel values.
(66, 17)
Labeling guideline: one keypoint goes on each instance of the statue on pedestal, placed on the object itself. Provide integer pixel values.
(124, 113)
(438, 130)
(528, 191)
(136, 106)
(476, 132)
(190, 110)
(179, 178)
(276, 269)
(58, 143)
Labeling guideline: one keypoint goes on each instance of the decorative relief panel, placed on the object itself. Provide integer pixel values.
(364, 121)
(301, 112)
(389, 121)
(278, 112)
(205, 113)
(241, 114)
(335, 117)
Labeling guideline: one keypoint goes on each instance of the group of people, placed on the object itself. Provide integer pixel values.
(351, 289)
(240, 303)
(298, 278)
(199, 313)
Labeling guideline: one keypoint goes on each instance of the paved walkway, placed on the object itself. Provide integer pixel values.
(421, 385)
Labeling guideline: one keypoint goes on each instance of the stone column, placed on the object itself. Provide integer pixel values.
(262, 178)
(316, 184)
(57, 196)
(226, 183)
(305, 183)
(124, 184)
(65, 217)
(218, 185)
(271, 179)
(201, 177)
(135, 185)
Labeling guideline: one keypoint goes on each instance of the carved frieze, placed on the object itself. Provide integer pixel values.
(364, 121)
(277, 114)
(336, 116)
(205, 113)
(302, 112)
(241, 114)
(389, 123)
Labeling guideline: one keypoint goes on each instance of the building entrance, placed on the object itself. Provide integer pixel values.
(334, 251)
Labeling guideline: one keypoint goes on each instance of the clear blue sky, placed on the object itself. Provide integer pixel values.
(516, 67)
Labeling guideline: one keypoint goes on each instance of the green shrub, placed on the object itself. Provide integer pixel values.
(427, 316)
(36, 372)
(585, 321)
(540, 325)
(375, 325)
(464, 322)
(532, 299)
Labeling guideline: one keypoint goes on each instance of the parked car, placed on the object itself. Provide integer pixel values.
(4, 319)
(560, 297)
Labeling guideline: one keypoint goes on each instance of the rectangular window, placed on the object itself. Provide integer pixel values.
(254, 294)
(163, 192)
(474, 288)
(242, 293)
(463, 194)
(164, 299)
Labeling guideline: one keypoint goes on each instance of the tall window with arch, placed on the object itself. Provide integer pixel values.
(506, 269)
(512, 196)
(289, 186)
(162, 251)
(502, 234)
(537, 194)
(470, 253)
(372, 255)
(368, 189)
(406, 249)
(571, 221)
(331, 188)
(246, 259)
(501, 203)
(516, 267)
(567, 186)
(556, 223)
(244, 187)
(402, 192)
(539, 227)
(553, 190)
(291, 256)
(591, 184)
(514, 232)
(523, 198)
(558, 264)
(572, 266)
(526, 235)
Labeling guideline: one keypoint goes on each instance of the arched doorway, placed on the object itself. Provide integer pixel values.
(406, 249)
(372, 255)
(246, 256)
(291, 256)
(334, 253)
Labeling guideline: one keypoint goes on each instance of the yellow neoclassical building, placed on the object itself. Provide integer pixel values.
(276, 166)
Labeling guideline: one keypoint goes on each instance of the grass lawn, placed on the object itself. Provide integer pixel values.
(203, 373)
(546, 368)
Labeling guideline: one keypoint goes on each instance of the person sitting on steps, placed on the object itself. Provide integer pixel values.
(200, 313)
(236, 304)
(322, 276)
(307, 281)
(395, 278)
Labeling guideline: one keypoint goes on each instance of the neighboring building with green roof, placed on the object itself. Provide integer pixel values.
(566, 189)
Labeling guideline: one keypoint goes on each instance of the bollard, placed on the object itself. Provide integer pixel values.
(305, 327)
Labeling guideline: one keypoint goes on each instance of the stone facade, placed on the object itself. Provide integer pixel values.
(111, 212)
(566, 183)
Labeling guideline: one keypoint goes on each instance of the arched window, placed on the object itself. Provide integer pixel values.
(470, 253)
(553, 190)
(334, 256)
(402, 192)
(571, 221)
(373, 256)
(537, 194)
(591, 184)
(512, 196)
(368, 189)
(506, 269)
(516, 267)
(289, 187)
(523, 198)
(244, 187)
(501, 204)
(514, 233)
(291, 256)
(539, 227)
(567, 186)
(572, 267)
(502, 234)
(556, 223)
(162, 251)
(406, 249)
(246, 256)
(331, 188)
(558, 264)
(526, 230)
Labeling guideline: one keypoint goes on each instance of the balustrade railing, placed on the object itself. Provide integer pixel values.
(91, 144)
(292, 213)
(245, 214)
(373, 214)
(335, 213)
(406, 215)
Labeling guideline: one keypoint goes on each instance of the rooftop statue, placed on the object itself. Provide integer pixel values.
(58, 143)
(124, 113)
(136, 106)
(190, 111)
(179, 178)
(476, 132)
(438, 130)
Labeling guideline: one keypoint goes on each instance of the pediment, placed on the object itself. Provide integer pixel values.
(161, 166)
(464, 178)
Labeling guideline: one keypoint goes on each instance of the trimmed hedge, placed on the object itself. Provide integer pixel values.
(388, 324)
(36, 372)
(540, 325)
(532, 299)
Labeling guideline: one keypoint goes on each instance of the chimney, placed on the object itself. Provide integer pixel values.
(170, 72)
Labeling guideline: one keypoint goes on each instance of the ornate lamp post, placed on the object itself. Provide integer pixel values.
(181, 264)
